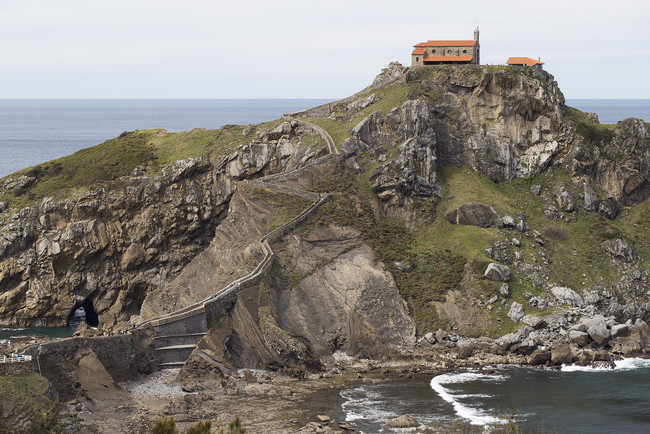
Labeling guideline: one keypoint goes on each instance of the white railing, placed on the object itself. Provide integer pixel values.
(15, 358)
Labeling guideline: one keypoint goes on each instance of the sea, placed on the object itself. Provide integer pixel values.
(570, 400)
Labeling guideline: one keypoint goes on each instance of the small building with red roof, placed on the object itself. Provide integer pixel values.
(524, 61)
(446, 52)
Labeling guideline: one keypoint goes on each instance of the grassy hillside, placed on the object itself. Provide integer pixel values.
(105, 163)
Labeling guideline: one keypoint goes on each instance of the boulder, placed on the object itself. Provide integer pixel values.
(565, 201)
(353, 146)
(562, 354)
(508, 340)
(430, 337)
(404, 266)
(522, 226)
(585, 357)
(536, 190)
(527, 346)
(631, 345)
(504, 290)
(567, 296)
(538, 302)
(539, 357)
(533, 321)
(642, 326)
(479, 215)
(597, 329)
(509, 222)
(619, 249)
(579, 327)
(497, 272)
(578, 337)
(363, 102)
(441, 335)
(608, 208)
(591, 199)
(404, 421)
(620, 330)
(516, 311)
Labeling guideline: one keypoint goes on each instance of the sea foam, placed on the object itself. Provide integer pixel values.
(475, 416)
(629, 364)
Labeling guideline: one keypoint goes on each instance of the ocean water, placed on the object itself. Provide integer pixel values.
(35, 131)
(610, 111)
(571, 400)
(9, 333)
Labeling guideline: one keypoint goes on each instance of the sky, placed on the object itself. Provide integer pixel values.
(303, 49)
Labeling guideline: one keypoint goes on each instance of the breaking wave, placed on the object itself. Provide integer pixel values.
(475, 416)
(629, 364)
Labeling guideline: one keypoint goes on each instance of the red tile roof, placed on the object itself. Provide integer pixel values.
(418, 51)
(523, 61)
(448, 59)
(445, 44)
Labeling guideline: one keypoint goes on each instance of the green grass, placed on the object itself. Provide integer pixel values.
(592, 132)
(339, 126)
(25, 394)
(285, 206)
(104, 164)
(440, 252)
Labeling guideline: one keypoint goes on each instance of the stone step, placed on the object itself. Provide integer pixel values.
(176, 347)
(171, 365)
(192, 324)
(175, 353)
(167, 341)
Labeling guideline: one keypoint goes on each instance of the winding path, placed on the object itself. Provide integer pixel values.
(181, 330)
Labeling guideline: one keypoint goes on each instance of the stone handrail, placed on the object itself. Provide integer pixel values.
(254, 276)
(318, 130)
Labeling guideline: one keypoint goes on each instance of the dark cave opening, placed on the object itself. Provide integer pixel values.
(84, 312)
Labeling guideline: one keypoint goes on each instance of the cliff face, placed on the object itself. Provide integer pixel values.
(111, 247)
(526, 184)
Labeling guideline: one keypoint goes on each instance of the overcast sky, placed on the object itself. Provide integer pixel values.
(303, 49)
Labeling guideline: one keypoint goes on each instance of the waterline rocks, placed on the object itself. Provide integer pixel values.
(404, 421)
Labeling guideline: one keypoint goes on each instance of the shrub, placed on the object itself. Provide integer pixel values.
(165, 426)
(235, 427)
(200, 428)
(556, 233)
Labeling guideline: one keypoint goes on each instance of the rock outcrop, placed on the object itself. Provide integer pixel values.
(378, 265)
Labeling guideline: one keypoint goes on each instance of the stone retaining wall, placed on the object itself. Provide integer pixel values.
(18, 368)
(124, 356)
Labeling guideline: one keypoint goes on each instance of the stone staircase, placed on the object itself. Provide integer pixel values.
(178, 337)
(172, 351)
(179, 332)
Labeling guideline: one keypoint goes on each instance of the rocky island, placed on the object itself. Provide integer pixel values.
(445, 216)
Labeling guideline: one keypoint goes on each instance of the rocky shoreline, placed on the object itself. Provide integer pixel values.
(270, 402)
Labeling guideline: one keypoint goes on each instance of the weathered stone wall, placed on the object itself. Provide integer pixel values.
(124, 357)
(20, 368)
